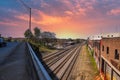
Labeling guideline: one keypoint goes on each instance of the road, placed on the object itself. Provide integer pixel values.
(5, 51)
(16, 63)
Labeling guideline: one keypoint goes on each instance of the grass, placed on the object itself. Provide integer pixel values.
(45, 49)
(41, 47)
(92, 60)
(90, 54)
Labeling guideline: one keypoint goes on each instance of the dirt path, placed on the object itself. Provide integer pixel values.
(83, 69)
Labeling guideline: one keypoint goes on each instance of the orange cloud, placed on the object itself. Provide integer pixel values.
(49, 20)
(24, 17)
(44, 19)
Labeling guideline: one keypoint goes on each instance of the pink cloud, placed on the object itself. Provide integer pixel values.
(69, 12)
(82, 11)
(114, 12)
(8, 23)
(67, 18)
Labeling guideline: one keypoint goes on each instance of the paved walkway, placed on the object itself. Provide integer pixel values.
(5, 51)
(17, 65)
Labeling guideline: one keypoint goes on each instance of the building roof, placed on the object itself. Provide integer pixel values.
(107, 35)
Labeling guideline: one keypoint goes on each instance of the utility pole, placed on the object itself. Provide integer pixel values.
(30, 20)
(29, 9)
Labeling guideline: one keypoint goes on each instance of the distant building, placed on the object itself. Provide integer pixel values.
(107, 35)
(111, 35)
(95, 37)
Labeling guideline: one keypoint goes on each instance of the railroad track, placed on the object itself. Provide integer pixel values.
(52, 55)
(55, 58)
(61, 63)
(67, 73)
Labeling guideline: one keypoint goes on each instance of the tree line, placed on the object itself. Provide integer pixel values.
(39, 34)
(44, 38)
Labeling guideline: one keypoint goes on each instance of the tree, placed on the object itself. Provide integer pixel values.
(48, 35)
(28, 34)
(37, 32)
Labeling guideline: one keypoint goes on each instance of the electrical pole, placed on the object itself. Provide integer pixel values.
(30, 20)
(29, 9)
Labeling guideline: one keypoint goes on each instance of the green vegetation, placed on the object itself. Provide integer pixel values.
(28, 33)
(37, 32)
(45, 49)
(90, 54)
(41, 42)
(41, 47)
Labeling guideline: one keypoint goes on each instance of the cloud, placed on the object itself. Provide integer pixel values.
(69, 13)
(61, 16)
(82, 11)
(49, 20)
(114, 12)
(8, 23)
(44, 19)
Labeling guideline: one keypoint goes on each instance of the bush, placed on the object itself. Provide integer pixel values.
(36, 50)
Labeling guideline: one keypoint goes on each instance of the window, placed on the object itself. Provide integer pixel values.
(111, 35)
(116, 54)
(107, 50)
(103, 48)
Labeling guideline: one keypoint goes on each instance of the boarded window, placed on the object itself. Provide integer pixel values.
(107, 50)
(102, 47)
(116, 54)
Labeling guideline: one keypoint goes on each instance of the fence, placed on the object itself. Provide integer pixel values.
(41, 71)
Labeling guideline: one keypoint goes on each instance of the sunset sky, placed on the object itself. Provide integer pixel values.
(66, 18)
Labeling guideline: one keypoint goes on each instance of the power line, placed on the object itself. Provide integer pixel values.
(25, 5)
(29, 9)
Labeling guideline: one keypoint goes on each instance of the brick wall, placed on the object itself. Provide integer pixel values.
(112, 43)
(97, 51)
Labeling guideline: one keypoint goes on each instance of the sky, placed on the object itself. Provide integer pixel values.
(66, 18)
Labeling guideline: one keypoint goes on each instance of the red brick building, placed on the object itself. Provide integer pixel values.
(110, 58)
(106, 52)
(110, 49)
